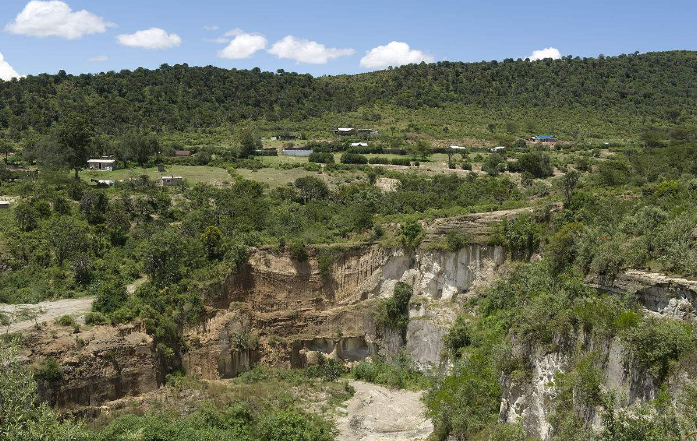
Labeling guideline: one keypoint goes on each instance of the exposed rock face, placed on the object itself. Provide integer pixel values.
(284, 313)
(334, 315)
(99, 365)
(529, 400)
(673, 297)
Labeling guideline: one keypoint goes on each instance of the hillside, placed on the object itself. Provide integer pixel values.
(515, 96)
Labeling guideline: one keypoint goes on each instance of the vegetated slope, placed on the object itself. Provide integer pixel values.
(659, 87)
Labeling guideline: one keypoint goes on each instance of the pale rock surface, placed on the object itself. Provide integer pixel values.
(376, 413)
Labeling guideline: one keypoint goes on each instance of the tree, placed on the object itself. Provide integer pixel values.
(421, 149)
(164, 256)
(6, 148)
(94, 205)
(311, 188)
(246, 141)
(74, 134)
(569, 182)
(494, 164)
(26, 216)
(67, 237)
(212, 240)
(138, 146)
(537, 164)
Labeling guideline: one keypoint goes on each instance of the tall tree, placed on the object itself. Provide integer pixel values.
(74, 134)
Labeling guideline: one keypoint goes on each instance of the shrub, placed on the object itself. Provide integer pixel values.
(322, 158)
(379, 160)
(658, 344)
(65, 320)
(48, 370)
(458, 336)
(353, 158)
(298, 250)
(410, 234)
(394, 312)
(328, 369)
(401, 161)
(399, 372)
(96, 318)
(455, 241)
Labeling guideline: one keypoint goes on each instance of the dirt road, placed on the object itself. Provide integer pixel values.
(376, 413)
(22, 316)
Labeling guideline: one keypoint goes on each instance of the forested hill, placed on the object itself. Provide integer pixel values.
(661, 86)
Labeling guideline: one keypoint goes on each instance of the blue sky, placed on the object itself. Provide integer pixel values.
(327, 37)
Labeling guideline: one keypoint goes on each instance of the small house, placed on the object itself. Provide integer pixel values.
(182, 153)
(4, 205)
(344, 131)
(286, 137)
(102, 164)
(545, 139)
(168, 181)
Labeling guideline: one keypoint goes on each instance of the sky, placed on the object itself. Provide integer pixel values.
(327, 37)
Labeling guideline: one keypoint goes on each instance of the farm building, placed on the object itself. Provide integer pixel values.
(497, 149)
(359, 144)
(168, 181)
(344, 131)
(182, 153)
(457, 147)
(4, 205)
(544, 139)
(286, 137)
(297, 152)
(103, 164)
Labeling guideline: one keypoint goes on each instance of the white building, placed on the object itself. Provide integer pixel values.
(102, 164)
(168, 181)
(359, 144)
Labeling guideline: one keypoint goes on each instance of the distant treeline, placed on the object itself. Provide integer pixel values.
(659, 86)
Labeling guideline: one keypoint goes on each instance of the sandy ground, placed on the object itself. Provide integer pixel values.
(46, 311)
(376, 413)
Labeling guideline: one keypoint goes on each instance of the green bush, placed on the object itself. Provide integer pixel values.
(394, 312)
(401, 161)
(322, 158)
(398, 372)
(657, 344)
(65, 320)
(96, 318)
(353, 158)
(298, 250)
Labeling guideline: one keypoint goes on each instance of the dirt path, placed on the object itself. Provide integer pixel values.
(22, 316)
(376, 413)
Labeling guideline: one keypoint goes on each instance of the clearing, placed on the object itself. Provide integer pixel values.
(23, 317)
(376, 413)
(191, 173)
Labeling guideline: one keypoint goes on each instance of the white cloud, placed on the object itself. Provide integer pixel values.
(56, 19)
(219, 40)
(211, 28)
(153, 38)
(244, 45)
(395, 54)
(548, 52)
(98, 59)
(234, 32)
(306, 51)
(7, 72)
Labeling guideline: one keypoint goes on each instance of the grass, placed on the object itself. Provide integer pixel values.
(191, 173)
